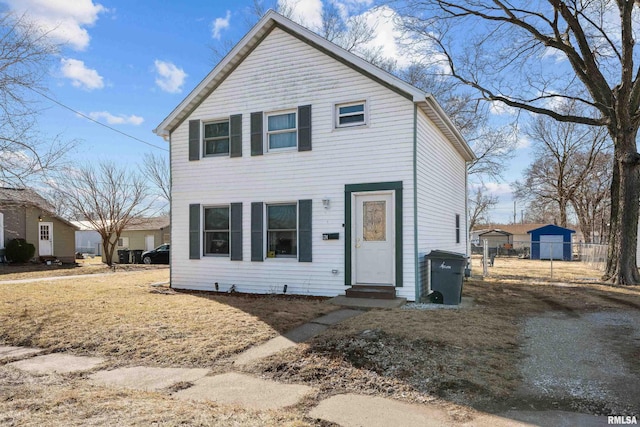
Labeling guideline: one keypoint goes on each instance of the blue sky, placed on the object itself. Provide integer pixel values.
(127, 64)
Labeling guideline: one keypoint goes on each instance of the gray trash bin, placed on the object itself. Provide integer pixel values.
(136, 256)
(123, 256)
(447, 275)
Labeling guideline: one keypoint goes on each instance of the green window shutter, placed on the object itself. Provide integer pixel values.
(235, 135)
(304, 233)
(236, 232)
(194, 139)
(256, 134)
(257, 231)
(194, 231)
(304, 128)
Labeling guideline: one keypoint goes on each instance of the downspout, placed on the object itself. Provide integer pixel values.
(168, 139)
(466, 212)
(416, 263)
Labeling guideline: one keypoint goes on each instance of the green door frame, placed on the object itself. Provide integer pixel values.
(349, 189)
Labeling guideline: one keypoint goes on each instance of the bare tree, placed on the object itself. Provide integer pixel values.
(529, 56)
(479, 205)
(25, 55)
(564, 155)
(109, 197)
(156, 168)
(591, 199)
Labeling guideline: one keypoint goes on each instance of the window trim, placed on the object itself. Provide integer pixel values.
(205, 139)
(266, 229)
(337, 115)
(204, 231)
(122, 238)
(266, 131)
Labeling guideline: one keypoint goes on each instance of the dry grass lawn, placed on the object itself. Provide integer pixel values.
(463, 359)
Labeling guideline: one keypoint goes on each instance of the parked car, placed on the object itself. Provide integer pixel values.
(159, 255)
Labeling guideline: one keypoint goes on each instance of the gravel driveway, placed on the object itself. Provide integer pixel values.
(590, 359)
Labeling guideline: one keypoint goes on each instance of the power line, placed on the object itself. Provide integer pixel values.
(97, 122)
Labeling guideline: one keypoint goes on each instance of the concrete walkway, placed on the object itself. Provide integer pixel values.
(348, 410)
(52, 278)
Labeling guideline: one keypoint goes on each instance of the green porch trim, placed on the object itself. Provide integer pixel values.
(349, 189)
(416, 264)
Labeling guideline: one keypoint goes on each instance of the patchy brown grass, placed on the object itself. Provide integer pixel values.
(466, 356)
(514, 269)
(71, 400)
(122, 317)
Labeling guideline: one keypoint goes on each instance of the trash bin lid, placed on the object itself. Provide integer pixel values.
(438, 254)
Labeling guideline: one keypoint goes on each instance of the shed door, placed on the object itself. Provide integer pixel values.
(149, 242)
(45, 242)
(551, 247)
(374, 239)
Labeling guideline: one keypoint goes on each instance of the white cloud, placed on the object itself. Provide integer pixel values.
(64, 20)
(170, 78)
(307, 12)
(80, 75)
(386, 34)
(220, 24)
(120, 119)
(498, 188)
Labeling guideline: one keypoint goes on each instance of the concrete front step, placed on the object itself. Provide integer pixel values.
(374, 292)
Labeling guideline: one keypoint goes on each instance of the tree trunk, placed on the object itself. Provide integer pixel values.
(625, 194)
(562, 205)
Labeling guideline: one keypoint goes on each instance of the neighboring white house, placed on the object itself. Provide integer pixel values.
(296, 163)
(88, 240)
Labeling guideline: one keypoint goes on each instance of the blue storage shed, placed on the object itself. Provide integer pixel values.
(551, 242)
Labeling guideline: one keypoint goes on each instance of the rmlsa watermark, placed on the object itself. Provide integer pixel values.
(622, 419)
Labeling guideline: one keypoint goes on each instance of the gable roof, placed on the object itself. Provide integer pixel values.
(28, 197)
(509, 228)
(261, 30)
(551, 228)
(140, 224)
(24, 196)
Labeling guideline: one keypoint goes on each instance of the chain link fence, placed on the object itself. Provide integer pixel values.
(594, 255)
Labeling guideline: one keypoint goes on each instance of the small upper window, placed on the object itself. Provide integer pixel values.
(123, 242)
(216, 138)
(352, 114)
(457, 228)
(282, 131)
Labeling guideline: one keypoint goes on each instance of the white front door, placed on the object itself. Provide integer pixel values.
(45, 243)
(149, 242)
(374, 239)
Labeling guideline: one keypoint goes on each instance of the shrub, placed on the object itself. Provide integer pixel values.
(18, 250)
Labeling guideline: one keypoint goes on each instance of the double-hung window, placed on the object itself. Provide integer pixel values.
(216, 231)
(282, 230)
(216, 138)
(282, 130)
(351, 114)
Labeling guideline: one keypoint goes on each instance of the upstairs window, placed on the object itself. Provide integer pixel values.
(216, 231)
(216, 138)
(351, 114)
(282, 130)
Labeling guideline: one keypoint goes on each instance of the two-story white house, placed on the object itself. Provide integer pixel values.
(297, 163)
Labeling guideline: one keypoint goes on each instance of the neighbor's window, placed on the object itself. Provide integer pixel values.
(352, 114)
(216, 231)
(282, 130)
(216, 138)
(282, 235)
(457, 228)
(123, 242)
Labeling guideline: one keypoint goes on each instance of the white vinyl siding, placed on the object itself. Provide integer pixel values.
(441, 191)
(280, 73)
